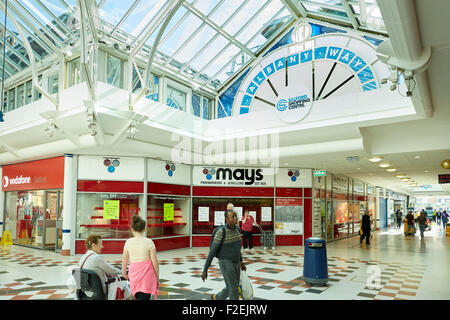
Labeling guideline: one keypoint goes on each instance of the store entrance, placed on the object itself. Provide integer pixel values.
(52, 221)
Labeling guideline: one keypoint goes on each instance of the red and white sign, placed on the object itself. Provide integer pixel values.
(288, 202)
(34, 175)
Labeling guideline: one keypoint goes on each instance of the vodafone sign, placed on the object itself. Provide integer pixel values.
(34, 175)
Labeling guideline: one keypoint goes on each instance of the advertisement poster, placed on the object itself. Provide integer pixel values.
(219, 218)
(203, 214)
(289, 216)
(168, 211)
(111, 209)
(238, 212)
(266, 213)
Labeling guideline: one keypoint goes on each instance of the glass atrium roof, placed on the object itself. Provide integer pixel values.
(206, 40)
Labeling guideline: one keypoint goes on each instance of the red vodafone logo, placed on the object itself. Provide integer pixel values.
(5, 181)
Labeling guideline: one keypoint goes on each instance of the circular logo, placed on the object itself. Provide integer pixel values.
(5, 181)
(282, 104)
(294, 103)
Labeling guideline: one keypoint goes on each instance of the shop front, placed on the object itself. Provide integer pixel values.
(340, 207)
(33, 193)
(276, 205)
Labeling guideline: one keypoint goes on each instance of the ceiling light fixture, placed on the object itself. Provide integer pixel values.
(375, 158)
(391, 169)
(385, 164)
(400, 175)
(417, 157)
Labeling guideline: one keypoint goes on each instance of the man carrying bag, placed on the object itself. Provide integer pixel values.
(228, 251)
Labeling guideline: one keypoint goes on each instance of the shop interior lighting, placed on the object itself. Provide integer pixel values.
(375, 158)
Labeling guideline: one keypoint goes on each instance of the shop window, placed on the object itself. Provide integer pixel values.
(207, 212)
(153, 86)
(106, 214)
(196, 106)
(74, 72)
(167, 216)
(53, 84)
(11, 99)
(20, 95)
(201, 106)
(114, 71)
(28, 92)
(176, 98)
(24, 217)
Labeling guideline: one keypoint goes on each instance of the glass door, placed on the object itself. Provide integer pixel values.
(59, 222)
(330, 220)
(50, 217)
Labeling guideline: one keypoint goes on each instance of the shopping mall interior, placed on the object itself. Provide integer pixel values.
(308, 114)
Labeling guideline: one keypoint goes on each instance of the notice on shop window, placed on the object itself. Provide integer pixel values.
(266, 213)
(111, 209)
(203, 214)
(219, 218)
(238, 211)
(168, 211)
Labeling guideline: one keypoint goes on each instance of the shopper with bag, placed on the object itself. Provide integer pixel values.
(143, 272)
(228, 250)
(92, 260)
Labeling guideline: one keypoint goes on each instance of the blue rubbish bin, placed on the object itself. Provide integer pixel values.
(315, 264)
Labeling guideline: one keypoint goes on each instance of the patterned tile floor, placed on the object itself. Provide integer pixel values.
(394, 267)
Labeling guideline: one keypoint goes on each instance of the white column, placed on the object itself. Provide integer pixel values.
(69, 205)
(2, 205)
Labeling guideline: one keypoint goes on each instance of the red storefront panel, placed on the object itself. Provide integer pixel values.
(172, 189)
(289, 192)
(34, 175)
(232, 192)
(340, 196)
(307, 192)
(116, 246)
(307, 207)
(288, 202)
(288, 240)
(110, 186)
(204, 241)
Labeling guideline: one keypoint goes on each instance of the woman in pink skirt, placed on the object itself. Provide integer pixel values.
(143, 272)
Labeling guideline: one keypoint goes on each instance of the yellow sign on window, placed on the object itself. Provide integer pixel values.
(168, 211)
(111, 209)
(6, 239)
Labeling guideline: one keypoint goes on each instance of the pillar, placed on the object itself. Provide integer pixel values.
(69, 205)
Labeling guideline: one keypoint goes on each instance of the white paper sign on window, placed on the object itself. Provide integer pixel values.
(238, 212)
(266, 214)
(253, 214)
(203, 214)
(219, 218)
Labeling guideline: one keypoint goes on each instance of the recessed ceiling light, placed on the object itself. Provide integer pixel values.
(406, 179)
(375, 158)
(370, 174)
(417, 157)
(426, 171)
(391, 169)
(400, 175)
(358, 168)
(384, 164)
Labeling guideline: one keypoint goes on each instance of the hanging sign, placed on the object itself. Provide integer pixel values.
(111, 209)
(168, 211)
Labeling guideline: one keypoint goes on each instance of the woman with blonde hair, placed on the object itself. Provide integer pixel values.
(143, 272)
(92, 260)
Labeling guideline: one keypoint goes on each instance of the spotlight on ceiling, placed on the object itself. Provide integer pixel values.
(384, 164)
(391, 169)
(400, 175)
(375, 158)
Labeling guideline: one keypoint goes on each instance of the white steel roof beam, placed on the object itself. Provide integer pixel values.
(349, 12)
(229, 44)
(20, 56)
(296, 8)
(55, 18)
(127, 14)
(212, 24)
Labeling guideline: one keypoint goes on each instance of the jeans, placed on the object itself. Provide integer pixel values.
(422, 229)
(399, 223)
(231, 272)
(248, 236)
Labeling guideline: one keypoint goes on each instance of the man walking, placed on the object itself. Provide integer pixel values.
(422, 221)
(399, 216)
(228, 252)
(365, 227)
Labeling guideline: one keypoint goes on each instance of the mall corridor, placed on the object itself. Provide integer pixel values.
(406, 268)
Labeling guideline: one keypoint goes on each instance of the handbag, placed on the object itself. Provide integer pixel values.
(245, 287)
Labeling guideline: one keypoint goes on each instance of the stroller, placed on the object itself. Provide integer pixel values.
(267, 239)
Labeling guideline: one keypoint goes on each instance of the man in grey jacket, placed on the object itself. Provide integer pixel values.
(230, 258)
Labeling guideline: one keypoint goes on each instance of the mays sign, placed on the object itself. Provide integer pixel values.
(233, 176)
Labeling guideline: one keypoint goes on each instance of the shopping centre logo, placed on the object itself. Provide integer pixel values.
(170, 168)
(111, 164)
(248, 176)
(282, 104)
(293, 174)
(17, 180)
